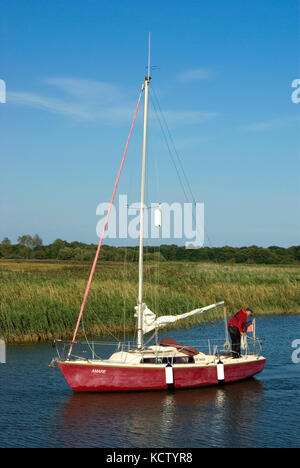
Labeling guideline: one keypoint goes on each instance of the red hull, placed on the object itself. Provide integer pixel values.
(107, 378)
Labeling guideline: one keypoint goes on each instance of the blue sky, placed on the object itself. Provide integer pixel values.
(73, 71)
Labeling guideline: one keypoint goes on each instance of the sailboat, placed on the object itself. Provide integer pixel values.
(166, 364)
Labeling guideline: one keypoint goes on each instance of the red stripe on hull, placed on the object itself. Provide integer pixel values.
(102, 378)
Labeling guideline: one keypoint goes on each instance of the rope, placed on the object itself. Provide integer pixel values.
(124, 293)
(244, 342)
(104, 228)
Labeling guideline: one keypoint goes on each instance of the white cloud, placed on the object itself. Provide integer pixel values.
(96, 102)
(83, 100)
(188, 117)
(56, 106)
(272, 124)
(87, 89)
(190, 143)
(195, 74)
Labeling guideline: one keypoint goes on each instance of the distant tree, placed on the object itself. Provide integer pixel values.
(294, 252)
(55, 247)
(25, 240)
(36, 241)
(66, 253)
(81, 254)
(242, 256)
(30, 242)
(6, 242)
(32, 247)
(5, 248)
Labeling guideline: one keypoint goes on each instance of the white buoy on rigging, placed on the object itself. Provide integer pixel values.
(157, 217)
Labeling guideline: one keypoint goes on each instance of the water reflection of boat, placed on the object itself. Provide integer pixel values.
(216, 416)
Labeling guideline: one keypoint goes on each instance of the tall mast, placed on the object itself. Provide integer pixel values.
(140, 296)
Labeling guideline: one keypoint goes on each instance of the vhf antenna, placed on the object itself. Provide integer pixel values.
(149, 48)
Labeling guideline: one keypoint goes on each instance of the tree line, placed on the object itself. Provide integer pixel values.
(29, 247)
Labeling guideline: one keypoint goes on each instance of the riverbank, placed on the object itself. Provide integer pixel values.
(41, 300)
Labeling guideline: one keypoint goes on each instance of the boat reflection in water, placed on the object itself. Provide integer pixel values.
(207, 417)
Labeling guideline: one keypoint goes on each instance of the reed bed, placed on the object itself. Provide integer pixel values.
(40, 300)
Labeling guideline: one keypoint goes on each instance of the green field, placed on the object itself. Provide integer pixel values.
(41, 300)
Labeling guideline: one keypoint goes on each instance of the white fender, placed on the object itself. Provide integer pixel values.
(169, 375)
(220, 371)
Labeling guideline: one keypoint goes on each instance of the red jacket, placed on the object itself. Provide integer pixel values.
(239, 320)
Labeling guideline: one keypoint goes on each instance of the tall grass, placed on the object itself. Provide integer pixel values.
(42, 300)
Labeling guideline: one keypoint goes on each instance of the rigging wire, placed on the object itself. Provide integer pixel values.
(177, 162)
(167, 144)
(173, 144)
(156, 299)
(87, 341)
(167, 135)
(183, 179)
(104, 228)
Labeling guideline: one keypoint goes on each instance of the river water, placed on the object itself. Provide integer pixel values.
(38, 409)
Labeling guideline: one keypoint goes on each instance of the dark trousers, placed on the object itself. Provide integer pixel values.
(236, 341)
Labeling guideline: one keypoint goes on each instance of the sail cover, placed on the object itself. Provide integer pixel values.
(152, 322)
(188, 350)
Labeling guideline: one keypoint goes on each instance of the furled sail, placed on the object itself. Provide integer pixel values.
(152, 322)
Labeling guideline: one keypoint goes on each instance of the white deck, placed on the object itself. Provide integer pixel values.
(134, 357)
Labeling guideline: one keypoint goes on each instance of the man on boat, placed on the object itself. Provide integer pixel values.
(237, 328)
